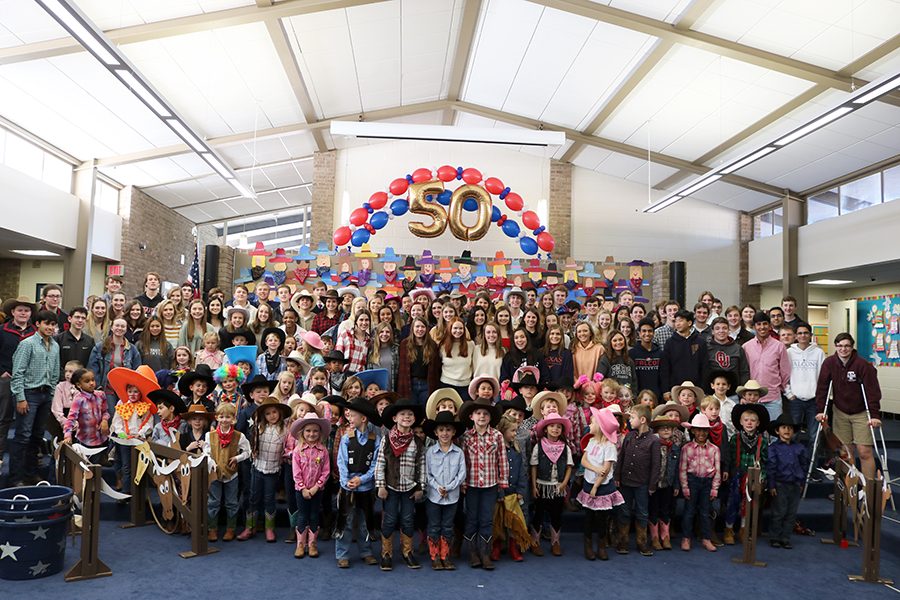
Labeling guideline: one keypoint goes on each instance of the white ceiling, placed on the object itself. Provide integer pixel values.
(532, 63)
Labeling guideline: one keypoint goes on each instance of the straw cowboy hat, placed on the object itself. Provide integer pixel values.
(547, 395)
(662, 409)
(752, 385)
(688, 385)
(473, 387)
(441, 394)
(197, 410)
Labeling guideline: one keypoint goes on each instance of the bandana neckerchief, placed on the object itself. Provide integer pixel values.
(553, 450)
(399, 441)
(224, 438)
(715, 432)
(171, 424)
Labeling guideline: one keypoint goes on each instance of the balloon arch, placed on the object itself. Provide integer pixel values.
(421, 193)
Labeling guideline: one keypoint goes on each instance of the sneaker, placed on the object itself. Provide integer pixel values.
(775, 543)
(787, 545)
(343, 563)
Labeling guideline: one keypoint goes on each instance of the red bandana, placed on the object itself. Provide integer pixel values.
(224, 438)
(399, 441)
(169, 425)
(715, 432)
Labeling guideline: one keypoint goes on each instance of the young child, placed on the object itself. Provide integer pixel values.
(721, 383)
(487, 473)
(271, 363)
(63, 396)
(194, 387)
(688, 395)
(335, 363)
(445, 468)
(229, 377)
(525, 382)
(227, 447)
(317, 377)
(210, 355)
(400, 480)
(133, 416)
(662, 502)
(87, 421)
(484, 387)
(169, 406)
(700, 475)
(356, 460)
(352, 389)
(311, 468)
(443, 399)
(267, 436)
(647, 397)
(599, 495)
(626, 397)
(637, 474)
(787, 467)
(183, 359)
(609, 393)
(285, 386)
(255, 391)
(198, 420)
(746, 449)
(509, 520)
(551, 467)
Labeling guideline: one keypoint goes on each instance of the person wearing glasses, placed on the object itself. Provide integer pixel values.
(806, 364)
(854, 414)
(51, 299)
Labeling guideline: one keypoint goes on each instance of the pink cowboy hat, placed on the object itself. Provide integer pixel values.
(609, 425)
(553, 419)
(312, 338)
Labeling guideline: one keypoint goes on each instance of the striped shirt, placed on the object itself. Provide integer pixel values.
(269, 450)
(35, 365)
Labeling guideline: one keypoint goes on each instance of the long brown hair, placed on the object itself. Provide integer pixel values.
(375, 351)
(427, 350)
(148, 338)
(499, 350)
(191, 325)
(107, 346)
(448, 341)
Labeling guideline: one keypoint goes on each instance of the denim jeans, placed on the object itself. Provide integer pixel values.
(308, 510)
(287, 478)
(440, 519)
(480, 511)
(698, 504)
(775, 408)
(7, 412)
(218, 490)
(399, 510)
(262, 490)
(419, 389)
(640, 497)
(29, 433)
(355, 516)
(784, 511)
(804, 413)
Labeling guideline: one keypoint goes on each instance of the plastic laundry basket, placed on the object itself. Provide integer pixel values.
(33, 531)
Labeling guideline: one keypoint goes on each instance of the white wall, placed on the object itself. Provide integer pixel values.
(107, 235)
(33, 272)
(363, 170)
(766, 262)
(56, 210)
(607, 220)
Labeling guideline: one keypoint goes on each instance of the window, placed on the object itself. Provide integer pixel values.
(22, 155)
(763, 224)
(822, 206)
(57, 173)
(892, 184)
(106, 197)
(861, 193)
(777, 220)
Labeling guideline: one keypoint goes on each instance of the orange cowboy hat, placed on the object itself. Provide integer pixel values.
(499, 259)
(143, 379)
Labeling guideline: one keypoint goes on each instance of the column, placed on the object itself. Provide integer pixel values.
(559, 209)
(322, 215)
(750, 294)
(793, 216)
(77, 261)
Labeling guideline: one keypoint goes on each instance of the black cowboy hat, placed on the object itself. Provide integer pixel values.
(388, 414)
(760, 411)
(278, 332)
(361, 406)
(228, 336)
(526, 379)
(169, 397)
(201, 373)
(258, 381)
(551, 271)
(391, 397)
(517, 403)
(445, 417)
(335, 355)
(410, 264)
(783, 419)
(465, 259)
(465, 413)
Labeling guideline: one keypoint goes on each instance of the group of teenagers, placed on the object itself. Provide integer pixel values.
(475, 420)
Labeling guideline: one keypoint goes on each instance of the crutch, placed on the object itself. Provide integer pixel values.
(881, 452)
(812, 458)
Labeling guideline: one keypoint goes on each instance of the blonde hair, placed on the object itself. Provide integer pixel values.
(211, 336)
(276, 393)
(226, 409)
(506, 423)
(610, 383)
(710, 401)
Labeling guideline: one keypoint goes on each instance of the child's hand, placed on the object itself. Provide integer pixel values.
(417, 496)
(686, 493)
(561, 488)
(442, 492)
(520, 498)
(714, 494)
(232, 462)
(773, 492)
(675, 493)
(306, 494)
(382, 493)
(724, 476)
(352, 484)
(313, 491)
(104, 427)
(594, 489)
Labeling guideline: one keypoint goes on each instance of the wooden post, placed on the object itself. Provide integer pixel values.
(89, 565)
(872, 535)
(138, 502)
(751, 523)
(839, 517)
(197, 514)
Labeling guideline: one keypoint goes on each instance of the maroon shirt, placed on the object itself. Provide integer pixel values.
(847, 381)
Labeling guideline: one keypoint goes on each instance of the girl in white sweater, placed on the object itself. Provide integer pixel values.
(456, 357)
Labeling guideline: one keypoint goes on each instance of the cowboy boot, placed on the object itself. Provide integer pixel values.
(622, 538)
(213, 534)
(653, 528)
(686, 544)
(445, 555)
(313, 543)
(408, 552)
(728, 537)
(474, 555)
(434, 551)
(230, 526)
(249, 528)
(270, 528)
(484, 544)
(536, 542)
(665, 539)
(292, 530)
(300, 551)
(387, 553)
(555, 549)
(641, 535)
(602, 541)
(709, 545)
(514, 551)
(589, 547)
(495, 549)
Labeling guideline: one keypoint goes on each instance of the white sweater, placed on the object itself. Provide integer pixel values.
(487, 365)
(805, 368)
(457, 370)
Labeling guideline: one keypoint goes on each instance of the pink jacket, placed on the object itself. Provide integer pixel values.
(770, 365)
(311, 465)
(62, 399)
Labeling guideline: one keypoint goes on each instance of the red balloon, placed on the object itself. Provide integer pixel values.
(529, 219)
(341, 236)
(420, 175)
(378, 200)
(514, 201)
(494, 185)
(546, 241)
(471, 176)
(359, 216)
(446, 173)
(399, 186)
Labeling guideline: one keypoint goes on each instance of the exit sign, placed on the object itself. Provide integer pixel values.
(115, 270)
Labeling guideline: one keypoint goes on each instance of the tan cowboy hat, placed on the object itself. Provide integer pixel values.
(309, 399)
(662, 409)
(752, 385)
(545, 395)
(284, 409)
(442, 394)
(688, 385)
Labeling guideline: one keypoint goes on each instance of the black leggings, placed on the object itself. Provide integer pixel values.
(596, 521)
(662, 505)
(553, 507)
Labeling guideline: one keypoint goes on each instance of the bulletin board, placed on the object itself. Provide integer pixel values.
(878, 329)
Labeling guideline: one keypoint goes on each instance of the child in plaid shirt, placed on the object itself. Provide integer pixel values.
(88, 420)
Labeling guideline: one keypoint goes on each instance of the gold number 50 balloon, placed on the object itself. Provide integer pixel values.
(483, 222)
(419, 206)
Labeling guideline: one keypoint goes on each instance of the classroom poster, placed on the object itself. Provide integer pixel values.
(878, 329)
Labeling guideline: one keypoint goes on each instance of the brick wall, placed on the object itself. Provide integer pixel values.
(559, 208)
(750, 294)
(9, 278)
(660, 284)
(322, 215)
(154, 237)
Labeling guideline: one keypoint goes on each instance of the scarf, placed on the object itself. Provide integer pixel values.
(667, 443)
(399, 441)
(168, 426)
(715, 432)
(273, 361)
(749, 440)
(553, 450)
(224, 438)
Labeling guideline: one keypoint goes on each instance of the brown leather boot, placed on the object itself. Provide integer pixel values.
(300, 550)
(408, 553)
(728, 537)
(387, 553)
(641, 535)
(434, 551)
(602, 541)
(589, 548)
(313, 543)
(485, 545)
(536, 543)
(213, 535)
(555, 548)
(622, 538)
(445, 555)
(474, 554)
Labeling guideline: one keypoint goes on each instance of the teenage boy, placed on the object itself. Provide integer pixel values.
(51, 300)
(35, 373)
(113, 284)
(701, 324)
(151, 296)
(788, 306)
(319, 289)
(724, 354)
(515, 298)
(769, 363)
(302, 302)
(74, 344)
(591, 310)
(667, 329)
(646, 356)
(787, 335)
(776, 318)
(262, 293)
(684, 354)
(806, 364)
(17, 328)
(283, 293)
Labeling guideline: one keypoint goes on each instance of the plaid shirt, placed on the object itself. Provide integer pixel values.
(86, 414)
(662, 335)
(356, 352)
(486, 462)
(700, 461)
(269, 451)
(411, 471)
(322, 322)
(35, 365)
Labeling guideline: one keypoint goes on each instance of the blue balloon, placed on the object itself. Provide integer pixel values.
(361, 236)
(495, 214)
(444, 197)
(399, 207)
(470, 205)
(511, 228)
(527, 244)
(379, 219)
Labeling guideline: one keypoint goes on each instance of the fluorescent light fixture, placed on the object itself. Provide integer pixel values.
(662, 204)
(446, 133)
(75, 23)
(187, 135)
(140, 89)
(35, 253)
(817, 124)
(831, 282)
(884, 88)
(696, 187)
(747, 160)
(242, 189)
(218, 165)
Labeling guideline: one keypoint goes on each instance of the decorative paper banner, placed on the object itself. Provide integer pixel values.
(878, 329)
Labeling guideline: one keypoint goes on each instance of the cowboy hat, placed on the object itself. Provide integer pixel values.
(244, 276)
(534, 266)
(143, 378)
(514, 291)
(443, 418)
(526, 378)
(365, 252)
(688, 385)
(228, 336)
(323, 249)
(279, 333)
(335, 355)
(515, 269)
(389, 256)
(388, 414)
(11, 304)
(609, 425)
(246, 354)
(280, 257)
(551, 271)
(413, 294)
(589, 272)
(229, 310)
(168, 396)
(783, 419)
(445, 267)
(441, 394)
(259, 250)
(465, 258)
(426, 259)
(517, 403)
(295, 299)
(201, 373)
(297, 358)
(760, 411)
(662, 409)
(309, 399)
(410, 264)
(465, 413)
(473, 387)
(752, 385)
(553, 419)
(521, 372)
(362, 407)
(499, 259)
(197, 410)
(391, 398)
(311, 418)
(662, 422)
(349, 289)
(305, 254)
(700, 421)
(313, 339)
(541, 396)
(258, 412)
(258, 381)
(376, 376)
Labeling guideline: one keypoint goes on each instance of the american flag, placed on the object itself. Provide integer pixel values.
(195, 271)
